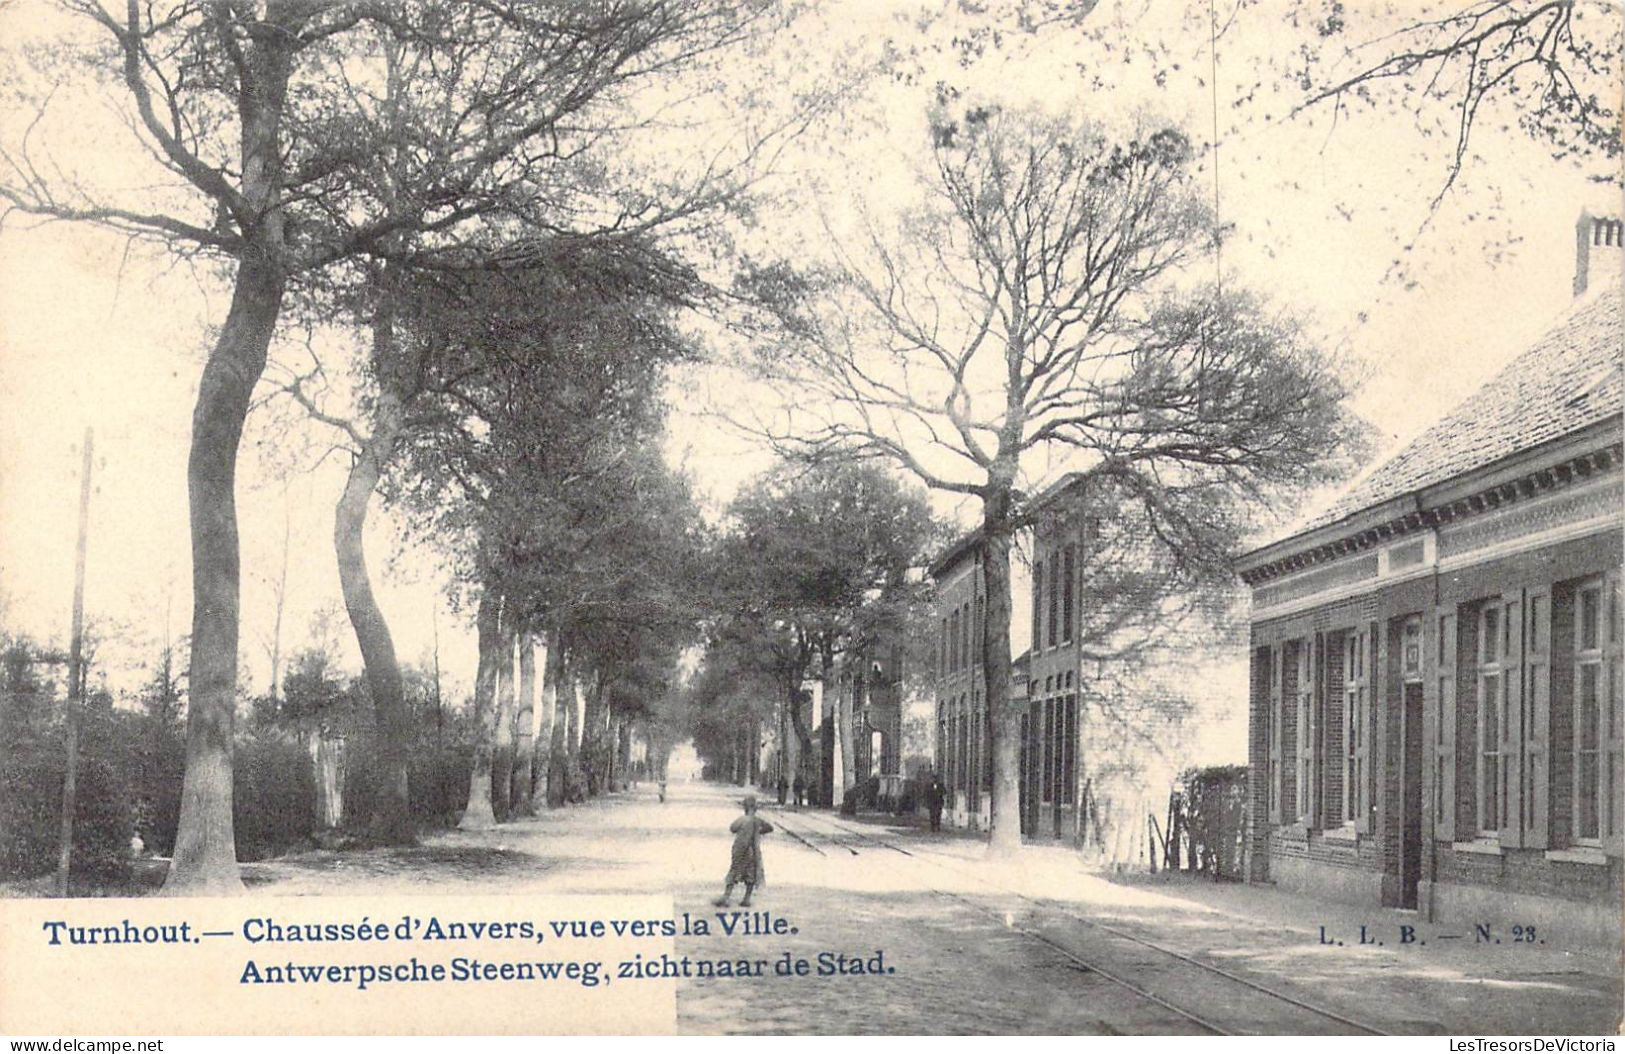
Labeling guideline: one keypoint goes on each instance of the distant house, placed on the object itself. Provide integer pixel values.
(1097, 801)
(1435, 705)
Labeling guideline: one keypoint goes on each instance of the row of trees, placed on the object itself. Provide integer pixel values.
(331, 157)
(817, 561)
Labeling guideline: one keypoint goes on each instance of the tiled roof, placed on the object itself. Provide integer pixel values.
(1571, 378)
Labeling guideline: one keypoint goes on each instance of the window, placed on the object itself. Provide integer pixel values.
(1038, 604)
(1356, 721)
(1591, 713)
(962, 755)
(943, 656)
(1069, 752)
(964, 644)
(976, 748)
(1068, 593)
(1049, 751)
(979, 635)
(987, 755)
(1495, 631)
(1304, 714)
(1270, 661)
(953, 641)
(1054, 595)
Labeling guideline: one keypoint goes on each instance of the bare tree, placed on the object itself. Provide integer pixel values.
(1031, 308)
(1553, 64)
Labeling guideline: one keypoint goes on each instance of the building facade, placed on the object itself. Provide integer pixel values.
(1052, 779)
(1435, 706)
(963, 733)
(1045, 683)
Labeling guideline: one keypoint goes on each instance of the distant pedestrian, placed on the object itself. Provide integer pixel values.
(662, 789)
(800, 788)
(935, 795)
(784, 788)
(746, 863)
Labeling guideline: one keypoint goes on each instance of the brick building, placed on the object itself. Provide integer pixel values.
(1046, 681)
(963, 732)
(1435, 705)
(1052, 734)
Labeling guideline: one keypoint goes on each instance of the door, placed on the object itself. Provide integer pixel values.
(1410, 849)
(1026, 779)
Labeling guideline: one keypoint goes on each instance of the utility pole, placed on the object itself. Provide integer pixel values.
(439, 709)
(76, 677)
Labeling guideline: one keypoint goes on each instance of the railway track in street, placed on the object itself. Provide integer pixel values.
(1204, 995)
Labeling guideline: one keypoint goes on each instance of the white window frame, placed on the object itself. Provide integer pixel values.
(1489, 797)
(1589, 658)
(1304, 703)
(1356, 719)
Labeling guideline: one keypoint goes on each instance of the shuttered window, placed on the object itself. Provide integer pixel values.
(1614, 717)
(1356, 725)
(1532, 765)
(1493, 628)
(1304, 710)
(1444, 743)
(1272, 659)
(1591, 712)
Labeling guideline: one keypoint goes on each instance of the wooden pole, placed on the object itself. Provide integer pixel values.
(76, 678)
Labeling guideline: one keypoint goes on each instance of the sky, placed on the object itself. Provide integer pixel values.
(94, 334)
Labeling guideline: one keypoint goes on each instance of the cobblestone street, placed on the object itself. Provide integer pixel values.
(968, 947)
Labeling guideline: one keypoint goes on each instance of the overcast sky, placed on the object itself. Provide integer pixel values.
(92, 336)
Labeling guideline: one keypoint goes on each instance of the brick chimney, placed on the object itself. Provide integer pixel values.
(1599, 252)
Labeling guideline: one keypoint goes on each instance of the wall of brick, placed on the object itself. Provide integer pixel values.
(1326, 864)
(1528, 871)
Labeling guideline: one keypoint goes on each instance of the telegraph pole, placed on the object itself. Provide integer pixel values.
(76, 676)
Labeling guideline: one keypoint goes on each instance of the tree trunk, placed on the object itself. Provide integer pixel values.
(205, 857)
(1004, 835)
(570, 777)
(281, 600)
(829, 742)
(479, 814)
(846, 708)
(545, 735)
(524, 734)
(391, 820)
(798, 721)
(502, 733)
(623, 752)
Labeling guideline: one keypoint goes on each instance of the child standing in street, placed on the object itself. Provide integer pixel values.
(746, 863)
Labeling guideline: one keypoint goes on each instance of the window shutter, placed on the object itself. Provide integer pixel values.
(1444, 820)
(1365, 794)
(1317, 748)
(1510, 731)
(1613, 675)
(1274, 660)
(1537, 716)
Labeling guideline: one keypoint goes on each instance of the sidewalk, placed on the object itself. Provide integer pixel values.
(1427, 979)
